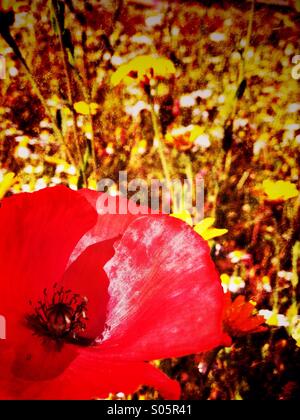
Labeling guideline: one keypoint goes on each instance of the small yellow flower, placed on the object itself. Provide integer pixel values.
(225, 279)
(207, 231)
(232, 283)
(141, 66)
(86, 109)
(6, 183)
(274, 319)
(205, 228)
(279, 190)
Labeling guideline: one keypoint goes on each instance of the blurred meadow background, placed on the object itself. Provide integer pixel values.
(175, 89)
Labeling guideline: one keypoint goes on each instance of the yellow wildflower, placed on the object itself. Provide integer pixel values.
(279, 190)
(207, 231)
(86, 109)
(204, 228)
(141, 66)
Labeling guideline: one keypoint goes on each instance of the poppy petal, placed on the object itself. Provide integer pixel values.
(38, 234)
(33, 359)
(114, 216)
(90, 377)
(166, 298)
(87, 278)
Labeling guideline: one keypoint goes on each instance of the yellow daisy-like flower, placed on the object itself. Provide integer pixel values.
(86, 109)
(232, 283)
(207, 231)
(6, 183)
(204, 228)
(279, 190)
(141, 66)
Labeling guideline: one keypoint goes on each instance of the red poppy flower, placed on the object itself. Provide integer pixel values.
(239, 318)
(83, 321)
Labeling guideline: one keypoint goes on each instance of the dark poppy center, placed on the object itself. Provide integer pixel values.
(61, 314)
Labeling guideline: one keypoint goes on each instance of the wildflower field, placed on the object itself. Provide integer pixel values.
(159, 90)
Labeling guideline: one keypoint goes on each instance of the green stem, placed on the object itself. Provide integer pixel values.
(212, 357)
(69, 88)
(88, 100)
(295, 259)
(249, 35)
(242, 68)
(161, 150)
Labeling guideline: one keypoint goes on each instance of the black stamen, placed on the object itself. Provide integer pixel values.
(61, 317)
